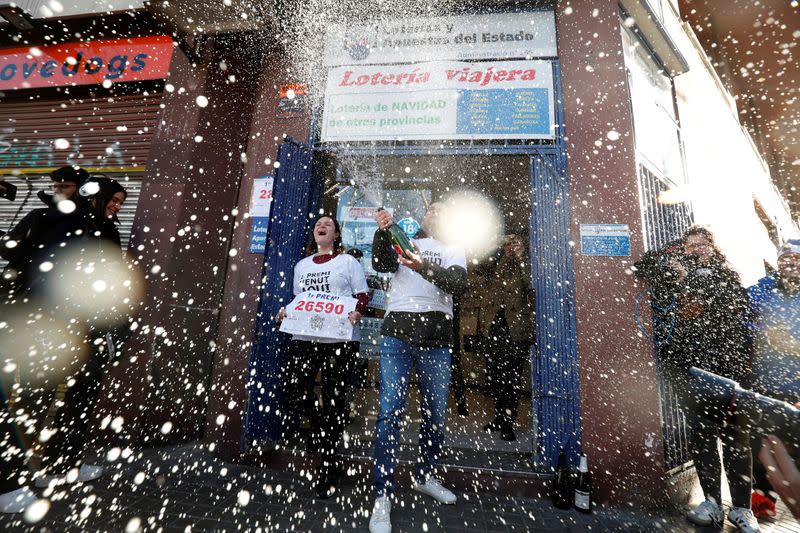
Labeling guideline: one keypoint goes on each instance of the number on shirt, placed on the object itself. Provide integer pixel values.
(319, 307)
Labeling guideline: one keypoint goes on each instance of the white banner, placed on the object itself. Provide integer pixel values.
(489, 36)
(319, 314)
(440, 100)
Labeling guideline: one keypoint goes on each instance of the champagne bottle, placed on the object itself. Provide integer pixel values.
(400, 241)
(583, 487)
(562, 483)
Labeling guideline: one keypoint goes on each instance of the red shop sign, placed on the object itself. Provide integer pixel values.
(119, 60)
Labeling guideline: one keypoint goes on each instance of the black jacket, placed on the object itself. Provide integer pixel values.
(710, 329)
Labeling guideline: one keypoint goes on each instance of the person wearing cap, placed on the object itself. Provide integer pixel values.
(67, 180)
(775, 306)
(41, 226)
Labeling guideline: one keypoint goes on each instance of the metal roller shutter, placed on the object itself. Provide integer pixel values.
(111, 132)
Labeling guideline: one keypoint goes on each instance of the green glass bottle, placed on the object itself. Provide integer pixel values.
(400, 241)
(562, 492)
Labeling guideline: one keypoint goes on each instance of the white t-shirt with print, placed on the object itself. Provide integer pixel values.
(342, 275)
(412, 293)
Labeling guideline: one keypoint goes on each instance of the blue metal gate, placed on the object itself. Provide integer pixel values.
(296, 195)
(555, 367)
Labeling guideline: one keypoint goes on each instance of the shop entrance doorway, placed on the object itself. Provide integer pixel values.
(356, 186)
(529, 185)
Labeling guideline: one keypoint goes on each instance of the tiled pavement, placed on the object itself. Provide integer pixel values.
(186, 489)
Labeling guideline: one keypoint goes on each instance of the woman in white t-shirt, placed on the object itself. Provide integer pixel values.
(326, 269)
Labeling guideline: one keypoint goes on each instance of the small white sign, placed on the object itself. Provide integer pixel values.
(609, 240)
(261, 199)
(522, 35)
(378, 299)
(363, 214)
(320, 314)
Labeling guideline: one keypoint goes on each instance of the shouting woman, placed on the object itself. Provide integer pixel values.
(326, 269)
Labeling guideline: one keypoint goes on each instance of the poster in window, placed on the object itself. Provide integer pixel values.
(292, 100)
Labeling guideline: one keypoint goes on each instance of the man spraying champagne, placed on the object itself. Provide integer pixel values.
(417, 330)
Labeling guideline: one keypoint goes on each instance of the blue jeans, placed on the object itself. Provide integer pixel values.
(433, 372)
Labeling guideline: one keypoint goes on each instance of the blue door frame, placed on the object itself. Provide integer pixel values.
(296, 195)
(554, 372)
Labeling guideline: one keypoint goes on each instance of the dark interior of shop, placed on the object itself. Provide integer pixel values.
(408, 184)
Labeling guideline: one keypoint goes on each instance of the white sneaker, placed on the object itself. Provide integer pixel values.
(16, 501)
(90, 473)
(434, 489)
(706, 514)
(744, 520)
(381, 519)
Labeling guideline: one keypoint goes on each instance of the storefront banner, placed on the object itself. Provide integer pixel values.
(320, 314)
(609, 240)
(440, 100)
(50, 9)
(363, 214)
(120, 60)
(489, 36)
(258, 235)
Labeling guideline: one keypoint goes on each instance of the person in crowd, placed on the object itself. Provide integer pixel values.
(417, 331)
(326, 269)
(506, 322)
(90, 222)
(701, 311)
(458, 384)
(103, 197)
(710, 333)
(106, 197)
(775, 302)
(359, 369)
(39, 230)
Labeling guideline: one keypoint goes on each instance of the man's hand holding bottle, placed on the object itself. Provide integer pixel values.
(407, 253)
(384, 219)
